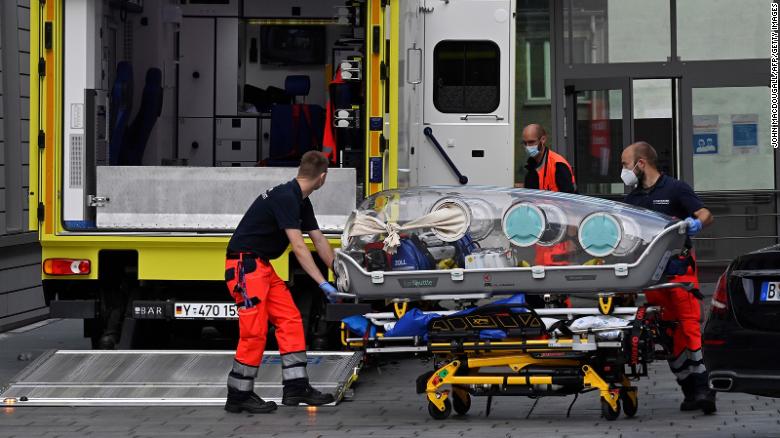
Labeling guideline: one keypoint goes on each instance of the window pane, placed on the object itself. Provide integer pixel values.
(599, 139)
(537, 68)
(466, 75)
(731, 148)
(449, 71)
(607, 31)
(532, 90)
(723, 29)
(653, 123)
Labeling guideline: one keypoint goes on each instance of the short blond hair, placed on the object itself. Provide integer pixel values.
(313, 164)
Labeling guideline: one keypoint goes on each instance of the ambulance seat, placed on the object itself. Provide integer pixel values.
(121, 105)
(295, 128)
(138, 132)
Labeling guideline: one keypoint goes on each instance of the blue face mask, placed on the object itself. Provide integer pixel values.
(532, 150)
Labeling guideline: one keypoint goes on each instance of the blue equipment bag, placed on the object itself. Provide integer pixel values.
(412, 255)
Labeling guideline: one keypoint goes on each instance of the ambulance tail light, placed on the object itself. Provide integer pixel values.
(67, 267)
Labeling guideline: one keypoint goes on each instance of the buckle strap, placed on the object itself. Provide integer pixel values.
(253, 300)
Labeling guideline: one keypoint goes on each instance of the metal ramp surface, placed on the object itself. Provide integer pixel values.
(152, 378)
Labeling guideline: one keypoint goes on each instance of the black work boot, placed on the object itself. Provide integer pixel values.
(704, 396)
(107, 342)
(299, 391)
(238, 401)
(689, 402)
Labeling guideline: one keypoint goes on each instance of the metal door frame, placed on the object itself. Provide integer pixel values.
(572, 87)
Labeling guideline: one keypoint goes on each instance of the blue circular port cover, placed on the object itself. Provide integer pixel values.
(523, 224)
(600, 234)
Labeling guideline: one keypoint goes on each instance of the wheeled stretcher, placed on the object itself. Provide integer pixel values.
(430, 244)
(535, 359)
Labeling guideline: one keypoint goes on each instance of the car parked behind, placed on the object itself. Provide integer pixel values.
(741, 339)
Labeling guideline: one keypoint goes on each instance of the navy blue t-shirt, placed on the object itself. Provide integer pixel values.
(261, 230)
(669, 196)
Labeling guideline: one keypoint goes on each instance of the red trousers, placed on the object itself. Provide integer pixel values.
(276, 304)
(682, 307)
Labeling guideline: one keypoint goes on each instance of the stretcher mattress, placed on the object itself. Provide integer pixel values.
(431, 242)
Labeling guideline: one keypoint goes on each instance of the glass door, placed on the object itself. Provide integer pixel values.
(598, 126)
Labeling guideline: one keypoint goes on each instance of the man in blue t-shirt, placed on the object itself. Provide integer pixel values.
(662, 193)
(276, 219)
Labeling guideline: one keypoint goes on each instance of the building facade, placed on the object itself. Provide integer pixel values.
(691, 77)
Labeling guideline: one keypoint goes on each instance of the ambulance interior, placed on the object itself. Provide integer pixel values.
(207, 83)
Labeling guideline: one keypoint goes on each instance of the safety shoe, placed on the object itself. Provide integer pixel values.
(688, 390)
(705, 400)
(239, 401)
(296, 394)
(107, 342)
(689, 404)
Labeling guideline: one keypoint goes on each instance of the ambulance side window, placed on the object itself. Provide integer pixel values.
(466, 76)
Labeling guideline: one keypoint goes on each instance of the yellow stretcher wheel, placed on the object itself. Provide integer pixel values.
(630, 402)
(461, 401)
(607, 412)
(438, 414)
(606, 304)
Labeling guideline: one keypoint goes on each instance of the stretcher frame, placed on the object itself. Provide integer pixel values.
(576, 359)
(565, 364)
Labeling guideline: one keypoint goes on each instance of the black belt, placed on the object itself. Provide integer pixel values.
(255, 301)
(231, 255)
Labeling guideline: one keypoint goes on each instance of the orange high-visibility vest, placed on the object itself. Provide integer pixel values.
(558, 254)
(547, 172)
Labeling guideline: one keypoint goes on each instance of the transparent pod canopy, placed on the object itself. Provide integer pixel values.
(515, 227)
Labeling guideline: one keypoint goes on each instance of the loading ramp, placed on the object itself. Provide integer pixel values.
(156, 378)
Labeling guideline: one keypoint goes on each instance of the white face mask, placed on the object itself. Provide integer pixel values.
(532, 150)
(629, 177)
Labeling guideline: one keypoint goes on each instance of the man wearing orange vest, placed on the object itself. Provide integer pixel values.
(547, 170)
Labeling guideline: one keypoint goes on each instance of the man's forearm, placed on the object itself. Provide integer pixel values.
(304, 257)
(324, 251)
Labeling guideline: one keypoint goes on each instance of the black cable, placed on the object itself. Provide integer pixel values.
(568, 412)
(530, 411)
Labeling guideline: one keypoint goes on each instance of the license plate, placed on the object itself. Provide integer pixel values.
(770, 291)
(205, 311)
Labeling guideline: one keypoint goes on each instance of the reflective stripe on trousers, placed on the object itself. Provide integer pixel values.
(294, 366)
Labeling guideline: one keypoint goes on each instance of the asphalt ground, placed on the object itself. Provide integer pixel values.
(384, 405)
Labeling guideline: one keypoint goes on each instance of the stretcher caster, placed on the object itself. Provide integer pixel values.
(630, 402)
(438, 414)
(461, 402)
(608, 412)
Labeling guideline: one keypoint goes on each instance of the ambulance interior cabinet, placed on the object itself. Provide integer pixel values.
(196, 143)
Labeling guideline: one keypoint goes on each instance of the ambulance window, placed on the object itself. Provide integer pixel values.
(466, 76)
